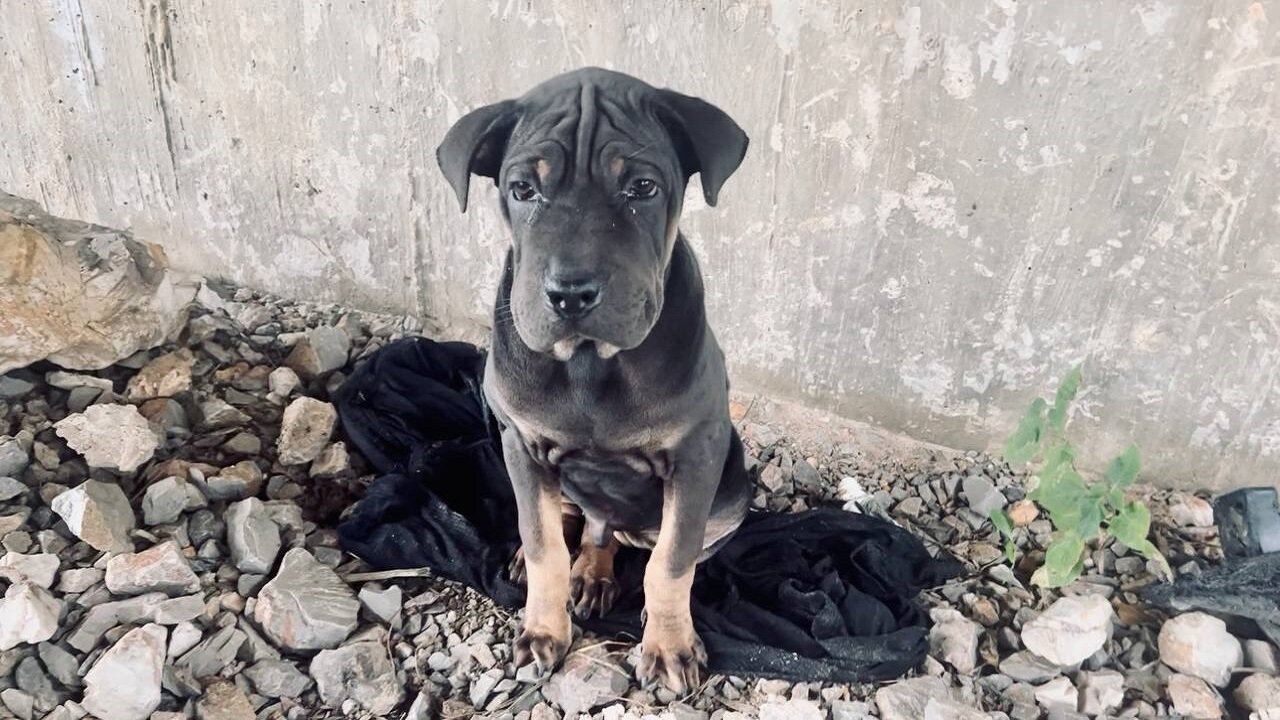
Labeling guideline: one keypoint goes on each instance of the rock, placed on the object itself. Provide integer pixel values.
(954, 639)
(212, 654)
(252, 535)
(982, 495)
(806, 477)
(1262, 655)
(1070, 630)
(125, 682)
(425, 707)
(161, 568)
(81, 295)
(842, 710)
(163, 377)
(110, 436)
(1058, 695)
(482, 686)
(243, 444)
(62, 665)
(14, 456)
(20, 703)
(15, 385)
(282, 382)
(1023, 513)
(1259, 692)
(1198, 644)
(332, 461)
(305, 429)
(77, 580)
(793, 709)
(1026, 666)
(306, 606)
(321, 351)
(103, 617)
(224, 701)
(1101, 692)
(239, 481)
(919, 698)
(362, 672)
(28, 614)
(166, 500)
(10, 489)
(185, 636)
(1190, 510)
(38, 569)
(217, 414)
(588, 679)
(99, 514)
(277, 679)
(1193, 698)
(382, 604)
(64, 380)
(180, 609)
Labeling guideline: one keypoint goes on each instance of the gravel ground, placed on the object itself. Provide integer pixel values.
(169, 551)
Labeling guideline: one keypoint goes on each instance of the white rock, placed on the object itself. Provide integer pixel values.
(306, 606)
(1193, 698)
(305, 430)
(1198, 644)
(10, 488)
(77, 580)
(1058, 694)
(40, 569)
(323, 350)
(103, 295)
(161, 568)
(982, 495)
(125, 682)
(110, 436)
(1187, 509)
(383, 603)
(185, 636)
(362, 672)
(953, 639)
(1070, 630)
(28, 614)
(253, 536)
(793, 709)
(1259, 692)
(914, 698)
(166, 499)
(99, 514)
(1101, 692)
(282, 382)
(165, 376)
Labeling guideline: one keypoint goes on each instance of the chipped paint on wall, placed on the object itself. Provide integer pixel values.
(945, 204)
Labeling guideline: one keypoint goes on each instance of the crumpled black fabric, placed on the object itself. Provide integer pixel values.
(822, 595)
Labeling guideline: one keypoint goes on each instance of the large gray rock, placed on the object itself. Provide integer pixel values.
(1071, 630)
(588, 679)
(953, 639)
(28, 614)
(306, 606)
(208, 657)
(166, 499)
(14, 457)
(1199, 645)
(110, 436)
(99, 514)
(362, 672)
(277, 678)
(81, 295)
(305, 430)
(322, 350)
(253, 536)
(125, 682)
(161, 568)
(922, 698)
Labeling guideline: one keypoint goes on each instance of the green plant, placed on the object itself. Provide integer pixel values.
(1080, 511)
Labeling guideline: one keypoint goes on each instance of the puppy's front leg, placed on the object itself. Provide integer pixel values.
(547, 632)
(671, 650)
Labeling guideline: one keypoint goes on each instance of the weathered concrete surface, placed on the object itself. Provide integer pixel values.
(945, 204)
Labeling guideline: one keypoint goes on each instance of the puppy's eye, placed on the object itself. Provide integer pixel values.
(522, 191)
(642, 188)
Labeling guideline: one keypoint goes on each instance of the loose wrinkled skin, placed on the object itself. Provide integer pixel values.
(606, 380)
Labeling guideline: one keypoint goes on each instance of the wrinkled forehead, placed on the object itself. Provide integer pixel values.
(580, 127)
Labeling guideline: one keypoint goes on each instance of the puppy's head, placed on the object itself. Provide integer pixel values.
(591, 167)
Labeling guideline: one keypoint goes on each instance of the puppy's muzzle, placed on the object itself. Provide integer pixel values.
(573, 298)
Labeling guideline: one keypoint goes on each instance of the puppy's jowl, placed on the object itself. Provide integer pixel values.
(608, 385)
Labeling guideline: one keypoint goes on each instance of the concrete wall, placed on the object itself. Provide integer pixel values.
(946, 204)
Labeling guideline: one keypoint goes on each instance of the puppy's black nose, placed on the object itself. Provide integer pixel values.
(572, 298)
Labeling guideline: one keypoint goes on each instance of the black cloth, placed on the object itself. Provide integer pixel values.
(822, 595)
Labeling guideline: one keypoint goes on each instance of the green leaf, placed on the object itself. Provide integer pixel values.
(1116, 499)
(1022, 445)
(1063, 561)
(1131, 525)
(1067, 390)
(1091, 512)
(1064, 497)
(1122, 471)
(1001, 520)
(1058, 459)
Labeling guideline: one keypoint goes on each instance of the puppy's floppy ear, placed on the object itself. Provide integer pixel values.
(707, 139)
(475, 144)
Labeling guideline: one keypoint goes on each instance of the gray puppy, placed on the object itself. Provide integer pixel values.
(606, 380)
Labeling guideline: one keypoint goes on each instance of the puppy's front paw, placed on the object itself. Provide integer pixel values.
(543, 644)
(673, 655)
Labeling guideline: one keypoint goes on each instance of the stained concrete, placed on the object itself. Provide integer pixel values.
(944, 207)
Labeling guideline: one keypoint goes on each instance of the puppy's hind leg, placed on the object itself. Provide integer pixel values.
(592, 585)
